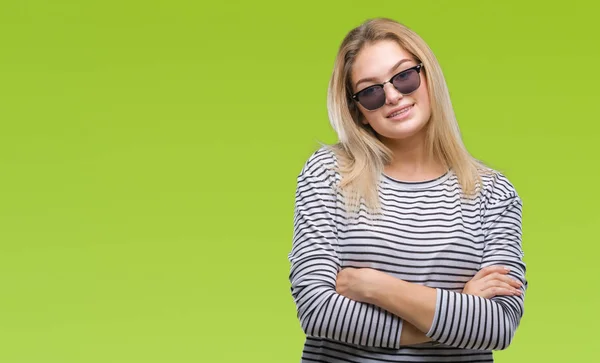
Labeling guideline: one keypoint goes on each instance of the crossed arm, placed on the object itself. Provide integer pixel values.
(417, 304)
(369, 307)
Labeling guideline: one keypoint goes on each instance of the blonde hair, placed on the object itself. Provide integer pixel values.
(361, 155)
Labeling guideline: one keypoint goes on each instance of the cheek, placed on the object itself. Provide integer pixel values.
(369, 117)
(373, 118)
(424, 93)
(423, 101)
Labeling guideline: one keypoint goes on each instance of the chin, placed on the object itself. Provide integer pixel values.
(404, 130)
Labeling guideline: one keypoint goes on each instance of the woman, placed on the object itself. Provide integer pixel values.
(405, 247)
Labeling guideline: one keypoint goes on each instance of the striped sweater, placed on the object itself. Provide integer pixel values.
(426, 235)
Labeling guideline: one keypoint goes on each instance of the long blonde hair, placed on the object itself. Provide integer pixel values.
(361, 155)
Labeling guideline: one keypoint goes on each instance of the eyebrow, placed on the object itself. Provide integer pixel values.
(372, 79)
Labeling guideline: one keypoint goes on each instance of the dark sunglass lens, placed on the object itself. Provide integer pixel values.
(372, 97)
(407, 81)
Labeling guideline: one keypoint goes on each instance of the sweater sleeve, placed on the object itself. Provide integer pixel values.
(315, 264)
(472, 322)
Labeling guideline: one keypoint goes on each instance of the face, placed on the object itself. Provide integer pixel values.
(401, 116)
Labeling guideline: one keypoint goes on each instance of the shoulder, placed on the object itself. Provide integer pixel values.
(497, 187)
(321, 164)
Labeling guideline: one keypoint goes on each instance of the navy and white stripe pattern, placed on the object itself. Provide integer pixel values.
(427, 235)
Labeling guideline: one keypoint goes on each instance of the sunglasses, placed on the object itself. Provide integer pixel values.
(406, 82)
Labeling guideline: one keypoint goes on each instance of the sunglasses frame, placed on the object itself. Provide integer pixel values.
(418, 68)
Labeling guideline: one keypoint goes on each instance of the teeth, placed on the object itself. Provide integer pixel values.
(404, 110)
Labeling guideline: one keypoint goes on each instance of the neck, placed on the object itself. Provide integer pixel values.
(411, 160)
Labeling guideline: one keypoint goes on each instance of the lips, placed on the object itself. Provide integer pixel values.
(398, 110)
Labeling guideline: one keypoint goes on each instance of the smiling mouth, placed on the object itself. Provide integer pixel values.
(401, 112)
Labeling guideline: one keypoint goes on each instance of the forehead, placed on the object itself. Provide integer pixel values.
(375, 60)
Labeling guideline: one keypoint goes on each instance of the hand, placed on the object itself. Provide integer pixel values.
(492, 281)
(359, 284)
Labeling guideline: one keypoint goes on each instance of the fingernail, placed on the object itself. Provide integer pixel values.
(506, 268)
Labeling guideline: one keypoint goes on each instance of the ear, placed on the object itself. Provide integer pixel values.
(363, 119)
(357, 113)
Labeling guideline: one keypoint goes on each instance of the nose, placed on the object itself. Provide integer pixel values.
(392, 96)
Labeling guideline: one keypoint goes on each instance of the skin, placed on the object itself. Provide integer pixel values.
(414, 303)
(406, 138)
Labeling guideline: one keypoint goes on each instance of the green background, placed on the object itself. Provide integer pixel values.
(149, 150)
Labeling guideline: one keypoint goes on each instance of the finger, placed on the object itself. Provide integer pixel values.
(500, 284)
(490, 270)
(496, 291)
(504, 278)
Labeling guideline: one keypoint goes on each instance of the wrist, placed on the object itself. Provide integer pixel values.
(412, 302)
(382, 285)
